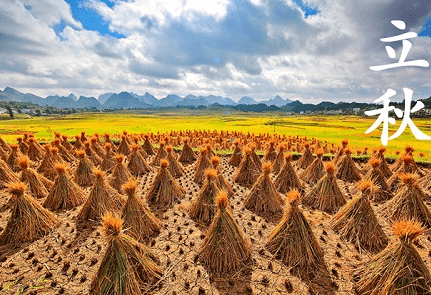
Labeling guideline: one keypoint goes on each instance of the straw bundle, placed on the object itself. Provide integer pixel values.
(247, 172)
(83, 175)
(137, 164)
(408, 203)
(236, 157)
(120, 174)
(325, 195)
(292, 240)
(306, 158)
(202, 164)
(357, 223)
(102, 199)
(315, 171)
(6, 174)
(263, 198)
(375, 175)
(38, 184)
(65, 194)
(174, 167)
(224, 249)
(221, 181)
(140, 222)
(398, 269)
(147, 146)
(124, 148)
(128, 267)
(279, 159)
(287, 179)
(203, 208)
(161, 154)
(346, 168)
(28, 220)
(164, 190)
(92, 155)
(108, 162)
(187, 155)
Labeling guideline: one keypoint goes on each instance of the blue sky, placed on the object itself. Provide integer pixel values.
(308, 50)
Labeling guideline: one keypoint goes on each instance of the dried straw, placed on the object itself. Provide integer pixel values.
(28, 220)
(398, 269)
(357, 223)
(292, 240)
(325, 195)
(128, 267)
(224, 250)
(140, 222)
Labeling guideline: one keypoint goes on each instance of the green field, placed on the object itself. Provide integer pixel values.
(330, 128)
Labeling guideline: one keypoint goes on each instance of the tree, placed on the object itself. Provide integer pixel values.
(9, 110)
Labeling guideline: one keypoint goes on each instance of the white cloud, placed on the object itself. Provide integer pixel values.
(255, 48)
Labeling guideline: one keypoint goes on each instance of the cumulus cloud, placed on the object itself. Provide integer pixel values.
(254, 48)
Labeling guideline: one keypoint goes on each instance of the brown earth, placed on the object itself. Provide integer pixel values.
(66, 261)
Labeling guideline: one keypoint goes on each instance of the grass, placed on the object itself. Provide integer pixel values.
(330, 128)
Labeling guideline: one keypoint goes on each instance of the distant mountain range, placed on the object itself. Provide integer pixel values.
(130, 100)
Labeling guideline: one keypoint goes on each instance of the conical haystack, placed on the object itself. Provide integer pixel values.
(65, 194)
(39, 185)
(306, 158)
(255, 158)
(221, 181)
(346, 168)
(164, 191)
(187, 155)
(23, 147)
(124, 148)
(175, 167)
(6, 174)
(270, 153)
(224, 250)
(140, 222)
(340, 151)
(247, 173)
(4, 145)
(325, 195)
(102, 199)
(147, 146)
(357, 223)
(375, 175)
(236, 157)
(161, 154)
(279, 159)
(63, 153)
(128, 267)
(109, 141)
(292, 240)
(398, 269)
(384, 167)
(48, 169)
(97, 148)
(263, 198)
(408, 151)
(202, 164)
(108, 162)
(65, 142)
(315, 171)
(28, 220)
(92, 155)
(406, 166)
(34, 152)
(12, 159)
(203, 207)
(83, 175)
(287, 179)
(137, 164)
(78, 143)
(408, 203)
(46, 161)
(120, 174)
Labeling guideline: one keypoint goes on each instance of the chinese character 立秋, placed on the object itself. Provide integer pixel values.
(407, 45)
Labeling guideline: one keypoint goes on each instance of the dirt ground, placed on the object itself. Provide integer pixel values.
(66, 261)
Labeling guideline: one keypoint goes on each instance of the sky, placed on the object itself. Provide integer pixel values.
(312, 51)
